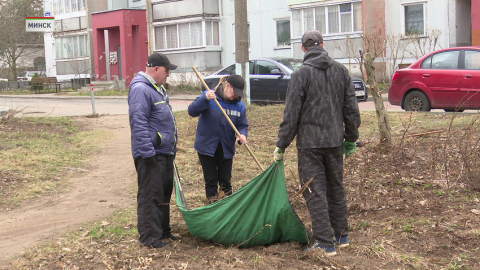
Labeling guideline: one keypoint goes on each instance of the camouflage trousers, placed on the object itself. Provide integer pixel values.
(325, 195)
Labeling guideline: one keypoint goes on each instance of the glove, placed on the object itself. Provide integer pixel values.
(150, 161)
(278, 154)
(348, 148)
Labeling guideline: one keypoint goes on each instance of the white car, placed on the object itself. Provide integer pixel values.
(27, 75)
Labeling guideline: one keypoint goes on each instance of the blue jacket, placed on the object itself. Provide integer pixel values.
(213, 127)
(152, 122)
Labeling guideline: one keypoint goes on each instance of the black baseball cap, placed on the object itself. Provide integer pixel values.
(160, 60)
(312, 38)
(237, 83)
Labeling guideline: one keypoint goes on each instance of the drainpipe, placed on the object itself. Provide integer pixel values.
(88, 6)
(149, 11)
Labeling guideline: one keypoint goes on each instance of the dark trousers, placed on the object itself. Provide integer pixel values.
(155, 185)
(216, 171)
(326, 198)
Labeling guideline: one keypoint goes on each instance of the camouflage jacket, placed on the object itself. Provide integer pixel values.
(320, 107)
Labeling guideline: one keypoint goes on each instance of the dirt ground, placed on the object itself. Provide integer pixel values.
(92, 194)
(416, 206)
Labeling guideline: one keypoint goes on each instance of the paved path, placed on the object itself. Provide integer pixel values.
(52, 105)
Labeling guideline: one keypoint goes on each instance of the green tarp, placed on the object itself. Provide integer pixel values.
(259, 213)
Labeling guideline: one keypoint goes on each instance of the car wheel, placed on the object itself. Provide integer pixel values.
(417, 101)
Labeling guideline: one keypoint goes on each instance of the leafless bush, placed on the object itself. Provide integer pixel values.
(6, 116)
(423, 44)
(186, 82)
(447, 158)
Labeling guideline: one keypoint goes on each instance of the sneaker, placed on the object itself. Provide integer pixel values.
(341, 241)
(172, 237)
(160, 245)
(329, 251)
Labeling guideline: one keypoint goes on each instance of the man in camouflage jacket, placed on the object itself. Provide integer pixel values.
(321, 110)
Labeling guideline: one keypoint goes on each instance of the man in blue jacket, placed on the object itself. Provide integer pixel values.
(215, 138)
(154, 143)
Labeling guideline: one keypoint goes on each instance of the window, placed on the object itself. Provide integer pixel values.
(283, 33)
(264, 67)
(211, 31)
(67, 6)
(186, 35)
(229, 70)
(472, 60)
(308, 20)
(357, 16)
(414, 20)
(71, 46)
(297, 23)
(443, 60)
(232, 69)
(346, 18)
(320, 23)
(328, 19)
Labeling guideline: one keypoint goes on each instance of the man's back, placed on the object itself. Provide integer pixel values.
(320, 102)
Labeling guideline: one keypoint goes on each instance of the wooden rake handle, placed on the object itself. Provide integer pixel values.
(228, 118)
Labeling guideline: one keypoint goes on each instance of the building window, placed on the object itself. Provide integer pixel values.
(414, 19)
(211, 32)
(187, 35)
(71, 46)
(346, 18)
(283, 33)
(67, 6)
(328, 19)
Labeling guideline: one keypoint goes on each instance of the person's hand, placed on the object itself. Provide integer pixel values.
(150, 161)
(242, 139)
(348, 148)
(278, 154)
(210, 94)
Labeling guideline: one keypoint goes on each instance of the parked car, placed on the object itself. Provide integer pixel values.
(27, 75)
(269, 79)
(446, 79)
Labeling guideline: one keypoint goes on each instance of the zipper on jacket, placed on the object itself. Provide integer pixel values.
(174, 122)
(161, 92)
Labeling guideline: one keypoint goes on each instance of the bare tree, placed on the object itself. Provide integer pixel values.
(14, 39)
(352, 49)
(423, 44)
(395, 55)
(374, 46)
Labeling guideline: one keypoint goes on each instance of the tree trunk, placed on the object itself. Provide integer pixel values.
(382, 116)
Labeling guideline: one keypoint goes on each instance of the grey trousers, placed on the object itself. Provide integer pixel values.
(326, 198)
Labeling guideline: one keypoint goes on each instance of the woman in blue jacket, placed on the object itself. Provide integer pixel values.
(215, 138)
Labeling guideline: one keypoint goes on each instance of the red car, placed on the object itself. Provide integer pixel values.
(446, 79)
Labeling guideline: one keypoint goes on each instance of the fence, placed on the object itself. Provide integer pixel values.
(17, 85)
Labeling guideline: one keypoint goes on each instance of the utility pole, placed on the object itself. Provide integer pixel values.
(241, 44)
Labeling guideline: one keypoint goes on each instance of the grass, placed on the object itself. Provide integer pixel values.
(102, 93)
(37, 153)
(409, 207)
(185, 89)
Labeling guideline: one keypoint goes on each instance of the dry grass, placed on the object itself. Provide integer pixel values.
(415, 206)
